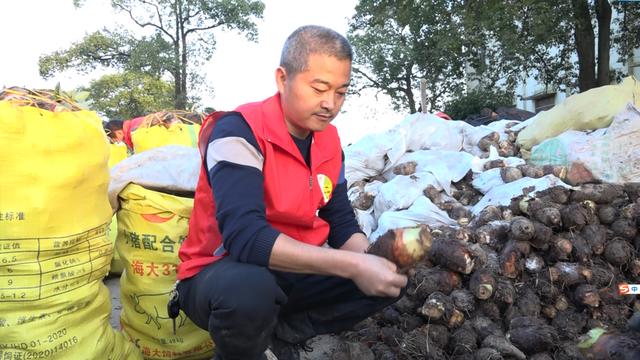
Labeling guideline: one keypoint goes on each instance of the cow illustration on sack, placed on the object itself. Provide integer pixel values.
(156, 304)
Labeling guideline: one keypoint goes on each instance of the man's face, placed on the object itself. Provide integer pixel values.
(312, 99)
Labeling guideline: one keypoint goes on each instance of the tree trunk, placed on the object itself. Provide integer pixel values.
(603, 12)
(585, 45)
(408, 91)
(177, 74)
(181, 90)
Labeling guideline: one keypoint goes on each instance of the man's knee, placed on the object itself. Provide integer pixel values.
(248, 296)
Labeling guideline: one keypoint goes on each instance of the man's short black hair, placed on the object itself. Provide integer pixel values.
(312, 39)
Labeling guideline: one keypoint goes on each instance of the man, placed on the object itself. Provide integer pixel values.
(271, 193)
(114, 131)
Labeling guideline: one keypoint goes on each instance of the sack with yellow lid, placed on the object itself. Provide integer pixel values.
(590, 110)
(53, 215)
(151, 227)
(166, 128)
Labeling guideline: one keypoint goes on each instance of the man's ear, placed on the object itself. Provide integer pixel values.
(281, 79)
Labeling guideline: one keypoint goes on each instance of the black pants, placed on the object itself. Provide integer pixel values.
(242, 305)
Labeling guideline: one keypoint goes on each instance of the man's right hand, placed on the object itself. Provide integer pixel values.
(377, 276)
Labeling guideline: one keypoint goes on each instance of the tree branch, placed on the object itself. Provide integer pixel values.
(128, 11)
(203, 28)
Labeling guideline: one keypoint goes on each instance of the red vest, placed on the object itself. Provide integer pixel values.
(293, 193)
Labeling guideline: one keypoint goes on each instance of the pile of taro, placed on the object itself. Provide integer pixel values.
(525, 281)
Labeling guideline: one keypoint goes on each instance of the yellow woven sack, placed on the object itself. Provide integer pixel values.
(145, 138)
(151, 227)
(117, 153)
(590, 110)
(54, 251)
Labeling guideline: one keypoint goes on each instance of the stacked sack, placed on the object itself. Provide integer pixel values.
(54, 213)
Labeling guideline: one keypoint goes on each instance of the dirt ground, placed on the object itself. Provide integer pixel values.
(323, 346)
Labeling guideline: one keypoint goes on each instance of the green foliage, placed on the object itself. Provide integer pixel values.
(128, 95)
(183, 40)
(486, 43)
(399, 42)
(464, 104)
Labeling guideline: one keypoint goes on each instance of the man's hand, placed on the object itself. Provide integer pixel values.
(377, 276)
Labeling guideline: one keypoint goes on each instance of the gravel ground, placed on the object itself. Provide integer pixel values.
(323, 346)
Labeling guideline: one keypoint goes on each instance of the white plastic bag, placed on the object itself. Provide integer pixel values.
(487, 180)
(369, 156)
(502, 195)
(401, 192)
(423, 211)
(171, 167)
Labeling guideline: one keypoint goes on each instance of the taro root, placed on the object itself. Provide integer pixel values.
(521, 229)
(451, 254)
(510, 174)
(531, 171)
(562, 303)
(600, 344)
(363, 201)
(487, 354)
(599, 193)
(382, 351)
(489, 309)
(405, 247)
(581, 251)
(555, 170)
(528, 302)
(549, 311)
(542, 236)
(438, 306)
(534, 263)
(493, 233)
(596, 237)
(570, 323)
(489, 140)
(405, 305)
(409, 322)
(586, 294)
(459, 213)
(561, 248)
(433, 194)
(532, 335)
(463, 300)
(391, 335)
(549, 216)
(506, 148)
(607, 214)
(568, 274)
(438, 334)
(482, 284)
(484, 257)
(390, 315)
(542, 356)
(630, 211)
(625, 228)
(492, 164)
(509, 260)
(428, 280)
(503, 346)
(576, 216)
(463, 341)
(488, 214)
(484, 327)
(556, 194)
(417, 345)
(407, 168)
(618, 252)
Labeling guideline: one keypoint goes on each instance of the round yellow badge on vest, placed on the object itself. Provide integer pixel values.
(326, 186)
